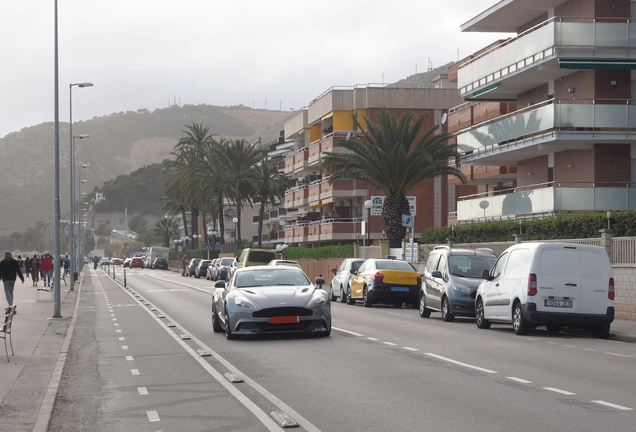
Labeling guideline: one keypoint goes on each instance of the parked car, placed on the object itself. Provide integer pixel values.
(550, 284)
(192, 265)
(221, 267)
(127, 262)
(201, 268)
(341, 276)
(255, 257)
(385, 281)
(160, 263)
(231, 268)
(116, 261)
(284, 263)
(272, 299)
(105, 262)
(137, 262)
(450, 281)
(209, 274)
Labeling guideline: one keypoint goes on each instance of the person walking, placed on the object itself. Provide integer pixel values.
(27, 266)
(46, 264)
(35, 269)
(183, 265)
(20, 263)
(9, 269)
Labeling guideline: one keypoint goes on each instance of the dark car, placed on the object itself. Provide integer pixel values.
(190, 270)
(160, 263)
(201, 268)
(221, 268)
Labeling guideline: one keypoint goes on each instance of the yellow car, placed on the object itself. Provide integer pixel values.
(385, 281)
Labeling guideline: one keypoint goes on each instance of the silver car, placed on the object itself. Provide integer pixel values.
(270, 299)
(341, 277)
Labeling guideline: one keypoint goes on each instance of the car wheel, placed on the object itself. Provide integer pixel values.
(519, 322)
(424, 311)
(333, 297)
(343, 295)
(350, 301)
(481, 322)
(446, 313)
(216, 327)
(554, 328)
(366, 301)
(228, 329)
(602, 331)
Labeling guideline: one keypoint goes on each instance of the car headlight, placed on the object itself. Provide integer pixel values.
(318, 299)
(460, 288)
(241, 302)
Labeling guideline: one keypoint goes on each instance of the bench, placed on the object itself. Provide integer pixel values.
(45, 289)
(6, 330)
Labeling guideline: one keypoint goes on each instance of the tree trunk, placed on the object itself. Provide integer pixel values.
(219, 199)
(238, 214)
(392, 210)
(194, 216)
(204, 217)
(260, 222)
(185, 222)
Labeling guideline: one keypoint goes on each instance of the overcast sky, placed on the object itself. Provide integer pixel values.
(144, 53)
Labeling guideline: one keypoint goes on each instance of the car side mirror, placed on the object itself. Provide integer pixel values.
(333, 271)
(485, 274)
(436, 274)
(320, 282)
(219, 284)
(352, 271)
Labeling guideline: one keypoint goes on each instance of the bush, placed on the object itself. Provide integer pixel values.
(194, 253)
(345, 251)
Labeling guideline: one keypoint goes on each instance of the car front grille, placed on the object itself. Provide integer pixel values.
(282, 311)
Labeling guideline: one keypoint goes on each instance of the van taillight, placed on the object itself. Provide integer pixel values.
(532, 284)
(610, 293)
(378, 277)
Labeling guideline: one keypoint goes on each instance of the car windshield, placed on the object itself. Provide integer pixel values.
(470, 266)
(227, 261)
(271, 276)
(393, 265)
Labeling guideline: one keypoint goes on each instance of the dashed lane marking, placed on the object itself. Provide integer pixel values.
(134, 371)
(410, 349)
(153, 416)
(389, 343)
(611, 405)
(519, 380)
(142, 390)
(347, 331)
(129, 358)
(446, 359)
(556, 390)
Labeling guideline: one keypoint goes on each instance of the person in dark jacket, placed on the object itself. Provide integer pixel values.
(27, 266)
(35, 269)
(9, 269)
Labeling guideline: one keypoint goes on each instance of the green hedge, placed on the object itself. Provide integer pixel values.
(292, 252)
(558, 227)
(194, 253)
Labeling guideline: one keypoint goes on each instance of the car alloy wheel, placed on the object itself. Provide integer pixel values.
(333, 297)
(350, 300)
(446, 314)
(343, 295)
(519, 322)
(366, 301)
(480, 314)
(424, 311)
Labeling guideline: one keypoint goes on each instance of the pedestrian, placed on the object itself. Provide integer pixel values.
(27, 266)
(183, 265)
(9, 269)
(20, 263)
(66, 262)
(46, 264)
(35, 269)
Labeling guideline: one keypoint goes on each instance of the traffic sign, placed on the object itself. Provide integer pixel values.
(67, 229)
(407, 221)
(209, 246)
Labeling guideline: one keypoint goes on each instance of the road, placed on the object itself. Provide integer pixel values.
(382, 369)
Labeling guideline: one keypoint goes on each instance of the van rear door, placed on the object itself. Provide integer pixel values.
(558, 279)
(596, 272)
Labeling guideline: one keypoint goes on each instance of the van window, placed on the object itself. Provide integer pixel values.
(261, 256)
(593, 265)
(519, 263)
(560, 263)
(431, 263)
(496, 272)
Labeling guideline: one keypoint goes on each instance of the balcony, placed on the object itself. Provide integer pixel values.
(300, 159)
(289, 163)
(301, 231)
(340, 229)
(543, 128)
(287, 234)
(289, 198)
(301, 195)
(546, 199)
(314, 153)
(585, 39)
(314, 192)
(342, 189)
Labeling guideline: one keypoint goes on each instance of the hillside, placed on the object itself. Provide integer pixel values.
(422, 80)
(119, 144)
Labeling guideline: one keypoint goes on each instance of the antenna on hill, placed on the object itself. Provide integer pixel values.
(265, 104)
(280, 107)
(382, 78)
(416, 69)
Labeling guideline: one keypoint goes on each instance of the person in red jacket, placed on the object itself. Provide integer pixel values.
(46, 265)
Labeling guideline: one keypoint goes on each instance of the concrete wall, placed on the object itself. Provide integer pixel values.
(625, 286)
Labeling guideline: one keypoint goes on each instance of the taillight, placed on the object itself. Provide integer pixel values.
(610, 293)
(378, 277)
(419, 279)
(532, 284)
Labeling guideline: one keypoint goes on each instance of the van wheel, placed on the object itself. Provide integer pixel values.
(343, 295)
(554, 328)
(446, 314)
(602, 331)
(481, 322)
(350, 301)
(366, 301)
(519, 322)
(424, 311)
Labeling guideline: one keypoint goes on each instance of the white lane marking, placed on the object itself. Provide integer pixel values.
(118, 331)
(446, 359)
(556, 390)
(182, 284)
(129, 358)
(611, 405)
(522, 381)
(410, 349)
(116, 325)
(389, 343)
(112, 314)
(134, 371)
(372, 339)
(124, 347)
(153, 416)
(122, 338)
(114, 319)
(346, 331)
(142, 390)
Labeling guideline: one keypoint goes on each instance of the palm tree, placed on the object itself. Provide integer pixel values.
(165, 229)
(390, 156)
(270, 185)
(148, 238)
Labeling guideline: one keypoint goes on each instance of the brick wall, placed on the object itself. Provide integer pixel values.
(576, 8)
(532, 171)
(533, 96)
(532, 23)
(625, 286)
(612, 162)
(582, 169)
(613, 8)
(604, 90)
(582, 82)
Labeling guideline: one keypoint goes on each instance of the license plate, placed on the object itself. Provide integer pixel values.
(401, 289)
(558, 303)
(283, 320)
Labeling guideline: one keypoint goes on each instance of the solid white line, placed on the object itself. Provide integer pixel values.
(556, 390)
(134, 371)
(460, 363)
(142, 390)
(389, 343)
(346, 331)
(519, 380)
(611, 405)
(410, 349)
(153, 416)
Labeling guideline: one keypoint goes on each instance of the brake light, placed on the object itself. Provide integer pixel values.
(532, 284)
(419, 279)
(610, 294)
(378, 277)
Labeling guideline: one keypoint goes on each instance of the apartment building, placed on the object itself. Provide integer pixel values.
(548, 123)
(318, 213)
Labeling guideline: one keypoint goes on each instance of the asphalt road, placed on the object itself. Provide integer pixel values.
(382, 369)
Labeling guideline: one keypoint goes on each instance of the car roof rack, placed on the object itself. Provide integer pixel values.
(487, 250)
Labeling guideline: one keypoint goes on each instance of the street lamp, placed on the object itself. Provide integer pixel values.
(80, 257)
(235, 220)
(367, 205)
(72, 198)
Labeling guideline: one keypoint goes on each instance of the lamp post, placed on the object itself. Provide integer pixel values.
(235, 220)
(57, 312)
(367, 205)
(79, 214)
(72, 198)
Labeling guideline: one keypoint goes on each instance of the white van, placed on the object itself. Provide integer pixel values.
(550, 284)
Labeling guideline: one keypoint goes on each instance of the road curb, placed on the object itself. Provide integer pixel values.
(48, 404)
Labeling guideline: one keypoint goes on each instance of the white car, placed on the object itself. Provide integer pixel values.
(342, 275)
(550, 284)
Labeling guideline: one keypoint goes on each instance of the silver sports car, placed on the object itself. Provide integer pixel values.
(270, 299)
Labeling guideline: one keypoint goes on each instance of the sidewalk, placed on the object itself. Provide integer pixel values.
(30, 381)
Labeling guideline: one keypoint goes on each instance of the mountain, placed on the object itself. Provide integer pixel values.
(119, 144)
(422, 80)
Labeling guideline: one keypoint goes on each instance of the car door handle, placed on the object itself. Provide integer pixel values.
(570, 284)
(497, 284)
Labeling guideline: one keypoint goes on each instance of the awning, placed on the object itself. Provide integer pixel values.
(327, 116)
(327, 201)
(597, 64)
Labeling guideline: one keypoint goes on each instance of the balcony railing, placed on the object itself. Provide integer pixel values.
(547, 198)
(540, 42)
(581, 116)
